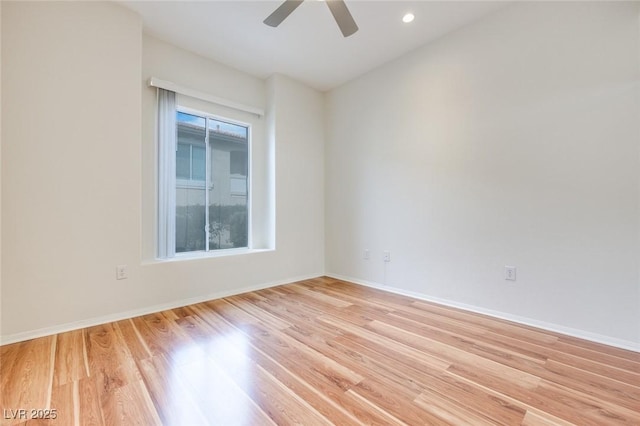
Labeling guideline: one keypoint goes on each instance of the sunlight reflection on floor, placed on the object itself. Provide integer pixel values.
(216, 371)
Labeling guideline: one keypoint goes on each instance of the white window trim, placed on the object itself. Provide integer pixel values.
(261, 230)
(200, 255)
(187, 91)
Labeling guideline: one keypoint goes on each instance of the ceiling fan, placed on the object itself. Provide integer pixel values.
(337, 7)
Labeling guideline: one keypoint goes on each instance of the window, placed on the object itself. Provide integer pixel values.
(211, 183)
(215, 177)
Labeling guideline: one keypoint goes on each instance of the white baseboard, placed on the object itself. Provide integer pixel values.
(90, 322)
(586, 335)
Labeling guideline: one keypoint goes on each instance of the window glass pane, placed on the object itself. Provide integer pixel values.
(198, 163)
(222, 127)
(190, 199)
(239, 163)
(183, 161)
(190, 121)
(190, 220)
(228, 214)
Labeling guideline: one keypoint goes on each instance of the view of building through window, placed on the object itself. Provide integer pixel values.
(212, 162)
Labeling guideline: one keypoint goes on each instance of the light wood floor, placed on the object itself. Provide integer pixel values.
(318, 352)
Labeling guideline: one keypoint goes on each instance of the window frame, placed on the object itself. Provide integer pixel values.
(208, 183)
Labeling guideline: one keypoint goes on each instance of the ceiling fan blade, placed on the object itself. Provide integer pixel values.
(342, 16)
(281, 13)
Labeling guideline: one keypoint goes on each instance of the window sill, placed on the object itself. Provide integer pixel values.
(180, 257)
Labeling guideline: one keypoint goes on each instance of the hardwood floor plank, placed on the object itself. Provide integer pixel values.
(129, 404)
(26, 377)
(251, 305)
(368, 412)
(218, 397)
(498, 409)
(65, 400)
(450, 411)
(476, 345)
(136, 344)
(322, 366)
(630, 363)
(541, 352)
(600, 348)
(319, 351)
(161, 335)
(319, 297)
(240, 335)
(109, 360)
(394, 367)
(347, 296)
(89, 409)
(446, 326)
(440, 322)
(121, 392)
(605, 370)
(236, 349)
(69, 358)
(528, 398)
(311, 377)
(439, 380)
(371, 294)
(492, 324)
(384, 344)
(606, 388)
(460, 358)
(290, 348)
(282, 404)
(171, 397)
(542, 419)
(290, 310)
(396, 401)
(596, 385)
(599, 410)
(52, 360)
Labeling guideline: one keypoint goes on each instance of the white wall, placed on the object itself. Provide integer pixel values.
(77, 176)
(299, 133)
(514, 141)
(71, 160)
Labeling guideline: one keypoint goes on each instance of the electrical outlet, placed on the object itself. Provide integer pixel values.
(121, 272)
(510, 273)
(366, 255)
(386, 256)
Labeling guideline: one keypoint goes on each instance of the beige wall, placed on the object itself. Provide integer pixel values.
(299, 154)
(513, 141)
(71, 160)
(78, 171)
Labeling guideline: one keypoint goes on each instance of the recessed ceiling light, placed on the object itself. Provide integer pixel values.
(408, 18)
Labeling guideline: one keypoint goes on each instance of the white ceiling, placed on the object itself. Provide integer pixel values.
(308, 45)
